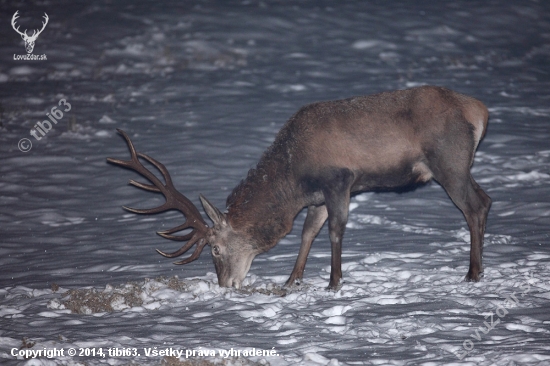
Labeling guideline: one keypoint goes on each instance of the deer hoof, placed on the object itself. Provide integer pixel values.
(335, 287)
(293, 282)
(473, 276)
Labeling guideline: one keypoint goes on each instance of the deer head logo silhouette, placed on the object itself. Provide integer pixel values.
(29, 40)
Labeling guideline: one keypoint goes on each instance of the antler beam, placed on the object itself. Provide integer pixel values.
(36, 33)
(13, 19)
(174, 201)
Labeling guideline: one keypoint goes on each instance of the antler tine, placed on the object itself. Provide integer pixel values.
(176, 237)
(174, 200)
(46, 18)
(195, 254)
(136, 165)
(189, 206)
(181, 250)
(167, 233)
(147, 187)
(148, 211)
(13, 19)
(150, 187)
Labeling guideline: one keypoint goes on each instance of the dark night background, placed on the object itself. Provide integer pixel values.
(204, 86)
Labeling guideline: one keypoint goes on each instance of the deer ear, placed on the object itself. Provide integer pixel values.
(217, 217)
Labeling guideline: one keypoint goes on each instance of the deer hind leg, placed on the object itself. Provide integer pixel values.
(337, 197)
(316, 217)
(474, 204)
(478, 219)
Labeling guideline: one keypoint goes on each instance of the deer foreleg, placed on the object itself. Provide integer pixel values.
(337, 197)
(316, 217)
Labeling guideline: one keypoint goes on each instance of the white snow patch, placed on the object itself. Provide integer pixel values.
(106, 119)
(372, 43)
(22, 70)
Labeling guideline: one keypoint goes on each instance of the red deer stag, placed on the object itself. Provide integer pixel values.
(323, 154)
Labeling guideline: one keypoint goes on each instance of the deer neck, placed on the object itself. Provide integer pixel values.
(264, 205)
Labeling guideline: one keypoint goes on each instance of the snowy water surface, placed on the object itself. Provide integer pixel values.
(204, 86)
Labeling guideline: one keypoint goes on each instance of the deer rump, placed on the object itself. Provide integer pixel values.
(330, 150)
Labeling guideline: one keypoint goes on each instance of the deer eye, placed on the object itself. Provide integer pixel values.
(216, 250)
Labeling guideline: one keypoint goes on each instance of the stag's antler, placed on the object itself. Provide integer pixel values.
(13, 19)
(36, 33)
(24, 34)
(174, 201)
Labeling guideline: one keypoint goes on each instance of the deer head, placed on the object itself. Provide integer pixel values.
(29, 40)
(232, 251)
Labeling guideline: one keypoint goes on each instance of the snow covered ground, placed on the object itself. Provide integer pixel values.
(204, 86)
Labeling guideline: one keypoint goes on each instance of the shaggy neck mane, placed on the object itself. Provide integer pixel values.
(263, 203)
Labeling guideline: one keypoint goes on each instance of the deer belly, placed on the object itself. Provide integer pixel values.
(400, 176)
